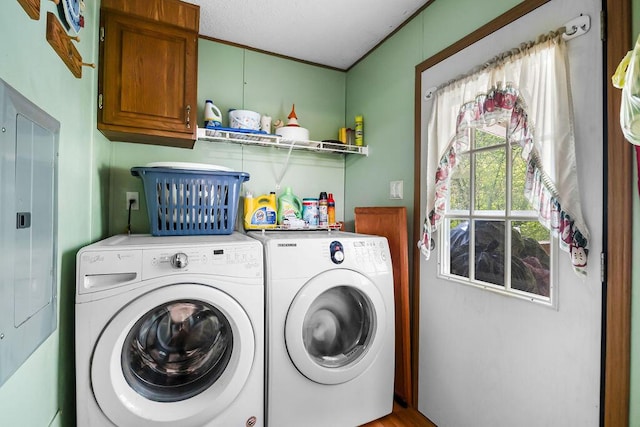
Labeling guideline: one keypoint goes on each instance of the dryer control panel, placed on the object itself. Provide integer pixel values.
(370, 250)
(369, 255)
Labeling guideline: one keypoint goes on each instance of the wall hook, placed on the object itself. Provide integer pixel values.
(576, 27)
(428, 95)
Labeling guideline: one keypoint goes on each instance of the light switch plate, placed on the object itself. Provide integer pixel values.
(396, 190)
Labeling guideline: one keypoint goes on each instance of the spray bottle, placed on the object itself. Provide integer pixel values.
(323, 210)
(331, 210)
(359, 139)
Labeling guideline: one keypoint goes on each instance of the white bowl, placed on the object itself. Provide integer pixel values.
(244, 119)
(293, 133)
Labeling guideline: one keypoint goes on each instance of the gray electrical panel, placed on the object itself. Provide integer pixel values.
(28, 228)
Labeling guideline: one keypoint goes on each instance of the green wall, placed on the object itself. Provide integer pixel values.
(40, 393)
(381, 88)
(242, 79)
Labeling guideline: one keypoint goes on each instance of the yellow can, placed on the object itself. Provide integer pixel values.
(359, 131)
(342, 135)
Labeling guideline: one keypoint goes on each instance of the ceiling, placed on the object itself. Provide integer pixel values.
(334, 33)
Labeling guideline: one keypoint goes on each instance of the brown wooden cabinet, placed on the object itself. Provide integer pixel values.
(147, 82)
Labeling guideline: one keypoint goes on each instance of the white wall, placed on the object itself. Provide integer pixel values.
(491, 360)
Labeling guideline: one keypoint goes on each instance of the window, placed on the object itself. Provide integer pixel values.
(489, 220)
(526, 91)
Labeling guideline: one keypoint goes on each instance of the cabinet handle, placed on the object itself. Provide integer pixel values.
(188, 116)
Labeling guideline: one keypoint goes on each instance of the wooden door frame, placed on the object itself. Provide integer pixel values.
(616, 351)
(616, 305)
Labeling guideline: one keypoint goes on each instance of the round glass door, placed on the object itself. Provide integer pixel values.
(177, 350)
(177, 355)
(338, 327)
(335, 326)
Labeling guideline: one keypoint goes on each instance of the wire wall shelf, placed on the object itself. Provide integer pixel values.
(268, 140)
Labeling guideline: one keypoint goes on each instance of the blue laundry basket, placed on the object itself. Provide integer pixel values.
(184, 202)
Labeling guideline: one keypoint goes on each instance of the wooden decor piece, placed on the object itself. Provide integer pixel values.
(32, 7)
(60, 41)
(391, 222)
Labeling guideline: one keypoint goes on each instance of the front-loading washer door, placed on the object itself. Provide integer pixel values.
(178, 355)
(335, 326)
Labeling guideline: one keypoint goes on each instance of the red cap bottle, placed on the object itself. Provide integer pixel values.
(331, 209)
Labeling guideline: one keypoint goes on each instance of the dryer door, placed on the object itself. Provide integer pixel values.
(178, 355)
(335, 326)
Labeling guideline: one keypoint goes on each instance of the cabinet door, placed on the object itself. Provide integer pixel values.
(148, 81)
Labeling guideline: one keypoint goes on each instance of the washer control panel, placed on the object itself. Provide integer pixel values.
(237, 261)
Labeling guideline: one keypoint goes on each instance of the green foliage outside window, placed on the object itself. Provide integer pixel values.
(490, 184)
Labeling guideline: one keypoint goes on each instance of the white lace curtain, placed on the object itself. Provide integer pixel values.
(527, 89)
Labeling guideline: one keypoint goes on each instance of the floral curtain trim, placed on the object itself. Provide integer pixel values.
(504, 105)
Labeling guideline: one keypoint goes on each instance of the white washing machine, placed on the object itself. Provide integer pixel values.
(330, 328)
(170, 332)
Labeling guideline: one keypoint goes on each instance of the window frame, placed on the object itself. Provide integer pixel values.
(507, 217)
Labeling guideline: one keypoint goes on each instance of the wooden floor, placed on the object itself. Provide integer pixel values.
(402, 417)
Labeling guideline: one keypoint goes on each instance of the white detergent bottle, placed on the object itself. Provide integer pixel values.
(212, 114)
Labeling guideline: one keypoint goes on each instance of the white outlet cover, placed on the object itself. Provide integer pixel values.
(132, 195)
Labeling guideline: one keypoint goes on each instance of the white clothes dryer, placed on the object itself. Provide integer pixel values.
(330, 328)
(170, 332)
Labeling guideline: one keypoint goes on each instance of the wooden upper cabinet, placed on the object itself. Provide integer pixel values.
(147, 83)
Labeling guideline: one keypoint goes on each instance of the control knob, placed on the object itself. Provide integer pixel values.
(180, 260)
(337, 252)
